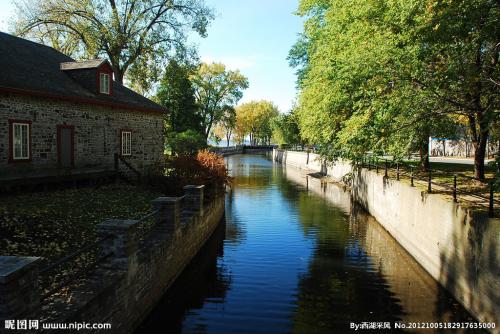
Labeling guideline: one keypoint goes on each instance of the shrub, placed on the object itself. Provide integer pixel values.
(204, 168)
(187, 142)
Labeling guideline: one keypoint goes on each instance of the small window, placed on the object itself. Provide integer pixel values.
(126, 143)
(20, 139)
(104, 83)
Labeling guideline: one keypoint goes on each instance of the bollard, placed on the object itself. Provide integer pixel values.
(455, 188)
(429, 185)
(491, 213)
(411, 177)
(19, 291)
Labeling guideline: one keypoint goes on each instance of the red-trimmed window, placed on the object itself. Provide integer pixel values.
(126, 142)
(20, 140)
(104, 83)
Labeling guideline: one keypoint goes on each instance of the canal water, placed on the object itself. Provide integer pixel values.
(293, 255)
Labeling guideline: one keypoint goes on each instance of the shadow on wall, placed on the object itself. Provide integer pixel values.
(360, 188)
(462, 246)
(471, 267)
(201, 280)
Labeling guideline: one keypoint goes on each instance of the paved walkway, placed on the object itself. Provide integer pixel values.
(455, 160)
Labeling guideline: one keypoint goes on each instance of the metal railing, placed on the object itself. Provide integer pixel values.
(119, 159)
(488, 201)
(147, 223)
(69, 271)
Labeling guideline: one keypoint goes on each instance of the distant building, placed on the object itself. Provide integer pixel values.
(61, 116)
(440, 147)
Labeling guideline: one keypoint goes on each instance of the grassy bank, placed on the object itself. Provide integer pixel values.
(51, 224)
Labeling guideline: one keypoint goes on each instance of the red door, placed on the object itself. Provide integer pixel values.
(66, 146)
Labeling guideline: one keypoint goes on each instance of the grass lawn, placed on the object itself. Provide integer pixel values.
(442, 181)
(444, 172)
(54, 223)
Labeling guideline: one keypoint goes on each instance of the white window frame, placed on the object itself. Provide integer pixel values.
(104, 83)
(19, 142)
(126, 142)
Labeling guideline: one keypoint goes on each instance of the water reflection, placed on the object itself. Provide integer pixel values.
(297, 257)
(204, 279)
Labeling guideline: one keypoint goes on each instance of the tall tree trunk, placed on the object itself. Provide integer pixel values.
(118, 74)
(478, 121)
(478, 124)
(480, 147)
(479, 143)
(424, 155)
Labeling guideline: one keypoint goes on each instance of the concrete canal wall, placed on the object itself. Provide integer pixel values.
(241, 149)
(456, 246)
(127, 285)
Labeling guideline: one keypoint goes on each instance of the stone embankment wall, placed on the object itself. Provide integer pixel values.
(456, 246)
(129, 283)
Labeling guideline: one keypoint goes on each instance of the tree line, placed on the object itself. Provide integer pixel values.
(146, 44)
(385, 75)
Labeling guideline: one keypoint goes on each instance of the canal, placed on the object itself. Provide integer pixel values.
(293, 255)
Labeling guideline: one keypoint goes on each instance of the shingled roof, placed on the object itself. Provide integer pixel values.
(32, 68)
(79, 65)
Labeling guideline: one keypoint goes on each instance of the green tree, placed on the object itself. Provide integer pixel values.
(254, 120)
(285, 129)
(459, 45)
(186, 142)
(135, 35)
(384, 75)
(176, 93)
(216, 88)
(228, 123)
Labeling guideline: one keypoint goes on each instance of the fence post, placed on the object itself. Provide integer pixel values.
(123, 242)
(491, 212)
(411, 177)
(429, 185)
(455, 188)
(397, 171)
(169, 215)
(194, 198)
(19, 291)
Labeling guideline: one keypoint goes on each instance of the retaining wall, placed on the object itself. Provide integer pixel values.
(456, 246)
(126, 287)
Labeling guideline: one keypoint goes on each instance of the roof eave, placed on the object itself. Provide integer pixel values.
(77, 99)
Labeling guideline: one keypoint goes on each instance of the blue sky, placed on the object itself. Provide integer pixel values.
(253, 36)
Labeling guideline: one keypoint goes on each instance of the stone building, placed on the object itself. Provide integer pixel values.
(59, 116)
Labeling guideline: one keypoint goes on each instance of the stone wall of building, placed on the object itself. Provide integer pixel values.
(96, 138)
